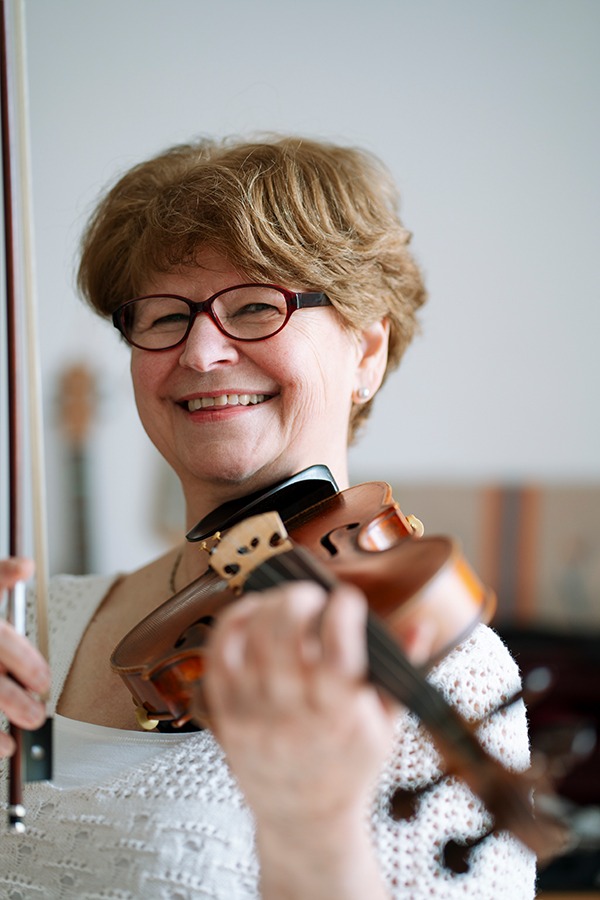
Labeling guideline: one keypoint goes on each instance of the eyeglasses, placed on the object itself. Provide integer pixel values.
(245, 312)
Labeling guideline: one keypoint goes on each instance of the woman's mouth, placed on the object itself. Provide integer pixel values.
(222, 400)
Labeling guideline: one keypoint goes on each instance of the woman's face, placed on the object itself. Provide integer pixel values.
(303, 377)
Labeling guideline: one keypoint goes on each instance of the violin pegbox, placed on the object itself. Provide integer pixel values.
(246, 546)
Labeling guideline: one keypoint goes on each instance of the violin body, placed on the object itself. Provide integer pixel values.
(360, 536)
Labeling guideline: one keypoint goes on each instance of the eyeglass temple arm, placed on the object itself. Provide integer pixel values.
(308, 299)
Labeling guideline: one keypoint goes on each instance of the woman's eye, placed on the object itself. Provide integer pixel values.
(253, 309)
(169, 320)
(172, 317)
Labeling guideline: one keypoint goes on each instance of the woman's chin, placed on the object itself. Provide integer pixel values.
(232, 478)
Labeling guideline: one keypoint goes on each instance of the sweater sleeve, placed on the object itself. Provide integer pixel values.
(475, 678)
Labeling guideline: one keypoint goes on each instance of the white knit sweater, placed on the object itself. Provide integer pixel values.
(176, 826)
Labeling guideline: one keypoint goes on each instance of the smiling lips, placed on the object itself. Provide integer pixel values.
(226, 400)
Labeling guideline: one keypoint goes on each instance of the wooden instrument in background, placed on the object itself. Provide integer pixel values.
(77, 408)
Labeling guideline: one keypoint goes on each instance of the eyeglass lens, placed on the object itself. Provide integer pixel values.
(248, 313)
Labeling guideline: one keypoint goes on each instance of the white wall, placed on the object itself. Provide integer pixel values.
(486, 112)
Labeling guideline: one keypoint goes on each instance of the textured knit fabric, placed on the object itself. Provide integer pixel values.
(177, 827)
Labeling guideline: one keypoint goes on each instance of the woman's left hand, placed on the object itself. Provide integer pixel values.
(303, 731)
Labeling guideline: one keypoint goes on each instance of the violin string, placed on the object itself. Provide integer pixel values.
(515, 809)
(390, 668)
(387, 664)
(398, 676)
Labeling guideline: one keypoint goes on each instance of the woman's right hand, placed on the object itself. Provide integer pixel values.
(23, 670)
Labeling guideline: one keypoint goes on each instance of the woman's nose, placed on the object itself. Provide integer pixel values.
(206, 346)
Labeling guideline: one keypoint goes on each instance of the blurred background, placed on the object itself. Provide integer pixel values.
(487, 115)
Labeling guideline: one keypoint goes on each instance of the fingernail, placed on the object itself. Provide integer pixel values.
(36, 715)
(40, 679)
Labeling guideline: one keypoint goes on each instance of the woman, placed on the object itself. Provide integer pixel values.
(238, 389)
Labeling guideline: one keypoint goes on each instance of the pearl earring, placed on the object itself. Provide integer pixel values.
(363, 393)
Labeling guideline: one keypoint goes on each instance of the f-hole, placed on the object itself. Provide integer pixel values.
(195, 634)
(328, 544)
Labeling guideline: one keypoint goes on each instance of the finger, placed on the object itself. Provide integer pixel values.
(419, 641)
(226, 647)
(284, 620)
(19, 706)
(282, 641)
(14, 569)
(343, 633)
(265, 618)
(225, 653)
(259, 649)
(22, 660)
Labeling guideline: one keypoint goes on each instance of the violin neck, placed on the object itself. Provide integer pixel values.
(388, 666)
(389, 669)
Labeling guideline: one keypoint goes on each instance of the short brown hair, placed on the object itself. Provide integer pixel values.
(284, 209)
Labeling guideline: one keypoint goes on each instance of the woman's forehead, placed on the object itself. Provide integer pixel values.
(209, 267)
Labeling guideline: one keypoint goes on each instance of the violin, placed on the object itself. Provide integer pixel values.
(304, 528)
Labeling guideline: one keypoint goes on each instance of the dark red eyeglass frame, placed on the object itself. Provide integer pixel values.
(294, 300)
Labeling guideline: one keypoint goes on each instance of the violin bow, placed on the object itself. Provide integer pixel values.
(32, 758)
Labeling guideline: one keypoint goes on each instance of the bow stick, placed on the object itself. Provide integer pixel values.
(32, 758)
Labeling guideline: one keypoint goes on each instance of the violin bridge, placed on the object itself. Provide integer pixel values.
(247, 545)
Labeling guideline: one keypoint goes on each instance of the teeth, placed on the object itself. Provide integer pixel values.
(226, 400)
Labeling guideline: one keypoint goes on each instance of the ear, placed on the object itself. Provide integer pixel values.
(373, 360)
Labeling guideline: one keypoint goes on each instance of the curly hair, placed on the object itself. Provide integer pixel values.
(284, 209)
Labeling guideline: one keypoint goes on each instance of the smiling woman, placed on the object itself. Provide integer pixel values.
(291, 211)
(266, 290)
